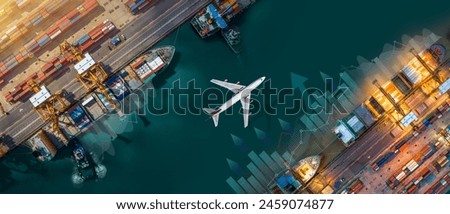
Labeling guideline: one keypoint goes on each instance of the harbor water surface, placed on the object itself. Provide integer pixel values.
(175, 153)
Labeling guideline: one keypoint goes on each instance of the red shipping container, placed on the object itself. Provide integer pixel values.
(89, 4)
(62, 20)
(52, 71)
(46, 67)
(16, 91)
(8, 97)
(44, 13)
(19, 58)
(87, 45)
(52, 29)
(62, 60)
(95, 31)
(72, 14)
(6, 72)
(97, 36)
(19, 96)
(2, 74)
(89, 7)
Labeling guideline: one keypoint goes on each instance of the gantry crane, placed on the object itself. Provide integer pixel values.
(93, 77)
(49, 106)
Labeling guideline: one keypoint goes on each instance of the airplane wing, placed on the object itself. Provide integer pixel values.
(230, 86)
(245, 101)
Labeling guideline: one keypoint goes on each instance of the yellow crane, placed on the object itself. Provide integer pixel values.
(91, 79)
(50, 108)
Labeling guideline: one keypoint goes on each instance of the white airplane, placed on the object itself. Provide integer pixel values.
(241, 93)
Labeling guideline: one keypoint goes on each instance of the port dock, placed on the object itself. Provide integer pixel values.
(22, 122)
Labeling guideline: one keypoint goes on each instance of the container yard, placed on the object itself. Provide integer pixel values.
(39, 58)
(38, 43)
(58, 64)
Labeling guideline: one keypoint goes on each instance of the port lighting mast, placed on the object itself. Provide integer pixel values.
(90, 73)
(49, 106)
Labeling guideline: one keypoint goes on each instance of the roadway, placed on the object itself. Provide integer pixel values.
(145, 31)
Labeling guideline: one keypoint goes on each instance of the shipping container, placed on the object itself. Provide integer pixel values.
(30, 44)
(61, 21)
(75, 18)
(72, 14)
(44, 42)
(36, 20)
(11, 64)
(55, 34)
(82, 39)
(11, 30)
(44, 13)
(52, 29)
(24, 30)
(99, 35)
(34, 49)
(19, 58)
(80, 9)
(65, 25)
(46, 67)
(86, 45)
(89, 8)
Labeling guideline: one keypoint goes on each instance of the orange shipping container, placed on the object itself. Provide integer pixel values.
(19, 58)
(52, 29)
(44, 13)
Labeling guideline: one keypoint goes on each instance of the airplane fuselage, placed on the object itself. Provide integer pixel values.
(244, 92)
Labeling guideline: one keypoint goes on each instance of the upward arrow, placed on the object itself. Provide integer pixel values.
(235, 167)
(240, 143)
(298, 81)
(328, 85)
(324, 76)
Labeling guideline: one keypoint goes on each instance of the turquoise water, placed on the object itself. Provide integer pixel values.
(186, 154)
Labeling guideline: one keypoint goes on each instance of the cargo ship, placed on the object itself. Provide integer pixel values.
(152, 62)
(294, 178)
(217, 15)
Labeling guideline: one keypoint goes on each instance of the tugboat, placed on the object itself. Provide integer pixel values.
(88, 165)
(295, 177)
(233, 38)
(84, 168)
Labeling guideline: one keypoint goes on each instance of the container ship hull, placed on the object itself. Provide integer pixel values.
(152, 62)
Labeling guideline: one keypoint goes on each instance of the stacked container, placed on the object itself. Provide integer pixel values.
(36, 44)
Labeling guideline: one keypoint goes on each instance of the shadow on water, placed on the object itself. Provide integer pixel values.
(124, 139)
(6, 179)
(161, 79)
(64, 153)
(19, 161)
(144, 120)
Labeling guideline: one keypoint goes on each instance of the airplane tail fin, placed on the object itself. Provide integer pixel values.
(215, 117)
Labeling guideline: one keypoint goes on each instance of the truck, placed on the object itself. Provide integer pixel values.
(134, 6)
(383, 160)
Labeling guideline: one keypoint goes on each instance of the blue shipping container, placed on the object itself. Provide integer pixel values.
(83, 39)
